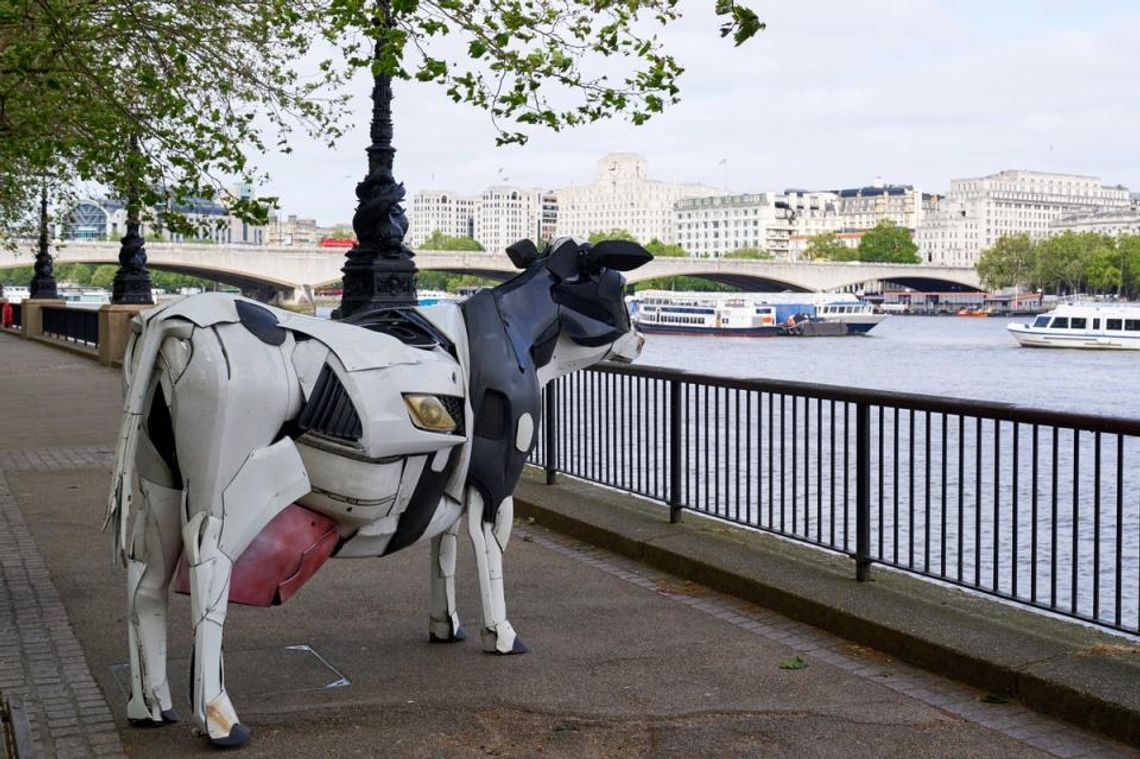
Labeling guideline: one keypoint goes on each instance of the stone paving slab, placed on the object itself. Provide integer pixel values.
(40, 659)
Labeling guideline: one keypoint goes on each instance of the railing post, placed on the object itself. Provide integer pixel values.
(675, 431)
(862, 492)
(550, 464)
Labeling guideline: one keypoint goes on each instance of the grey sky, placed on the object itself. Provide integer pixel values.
(833, 94)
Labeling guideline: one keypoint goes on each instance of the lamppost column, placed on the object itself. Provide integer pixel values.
(379, 271)
(43, 286)
(132, 281)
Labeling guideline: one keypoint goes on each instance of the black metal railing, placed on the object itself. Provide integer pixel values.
(73, 325)
(1034, 506)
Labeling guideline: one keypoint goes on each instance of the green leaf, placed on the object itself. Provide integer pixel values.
(796, 662)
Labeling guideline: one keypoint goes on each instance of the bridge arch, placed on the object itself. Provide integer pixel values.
(744, 282)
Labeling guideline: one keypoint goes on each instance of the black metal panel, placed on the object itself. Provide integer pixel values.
(329, 410)
(73, 325)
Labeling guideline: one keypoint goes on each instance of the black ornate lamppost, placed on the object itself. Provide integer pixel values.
(132, 284)
(43, 286)
(379, 271)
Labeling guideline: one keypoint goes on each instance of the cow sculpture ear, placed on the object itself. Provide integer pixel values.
(623, 255)
(523, 253)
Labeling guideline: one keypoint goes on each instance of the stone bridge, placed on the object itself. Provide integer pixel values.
(295, 272)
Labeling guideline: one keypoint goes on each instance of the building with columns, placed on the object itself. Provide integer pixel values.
(1107, 221)
(713, 227)
(506, 214)
(864, 207)
(978, 210)
(438, 210)
(624, 197)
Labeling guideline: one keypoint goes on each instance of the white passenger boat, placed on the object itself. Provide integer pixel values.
(676, 313)
(748, 314)
(859, 317)
(1082, 325)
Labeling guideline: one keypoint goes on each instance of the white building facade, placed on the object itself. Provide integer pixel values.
(507, 214)
(864, 207)
(978, 210)
(713, 227)
(1113, 222)
(438, 210)
(623, 197)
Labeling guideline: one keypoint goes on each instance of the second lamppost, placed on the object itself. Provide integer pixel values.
(43, 285)
(379, 271)
(132, 281)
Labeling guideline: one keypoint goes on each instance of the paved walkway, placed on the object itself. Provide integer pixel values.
(625, 661)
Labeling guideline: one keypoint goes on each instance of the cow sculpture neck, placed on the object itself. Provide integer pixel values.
(397, 427)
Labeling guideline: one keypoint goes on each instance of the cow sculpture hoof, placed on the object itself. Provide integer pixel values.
(238, 737)
(491, 645)
(455, 637)
(518, 648)
(168, 717)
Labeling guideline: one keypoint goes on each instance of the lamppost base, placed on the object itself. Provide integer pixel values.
(43, 288)
(373, 281)
(132, 288)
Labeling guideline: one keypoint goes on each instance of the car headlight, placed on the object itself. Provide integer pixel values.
(428, 413)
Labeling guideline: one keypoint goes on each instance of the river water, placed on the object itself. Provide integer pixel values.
(970, 358)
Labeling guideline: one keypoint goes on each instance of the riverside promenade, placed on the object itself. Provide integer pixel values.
(626, 660)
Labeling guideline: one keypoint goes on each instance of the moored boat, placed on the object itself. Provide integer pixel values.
(701, 314)
(1082, 325)
(858, 317)
(749, 314)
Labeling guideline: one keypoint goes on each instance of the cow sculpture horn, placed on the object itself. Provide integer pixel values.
(522, 254)
(623, 255)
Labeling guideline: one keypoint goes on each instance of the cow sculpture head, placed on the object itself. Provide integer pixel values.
(588, 320)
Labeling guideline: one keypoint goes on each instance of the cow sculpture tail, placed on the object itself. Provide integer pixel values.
(139, 365)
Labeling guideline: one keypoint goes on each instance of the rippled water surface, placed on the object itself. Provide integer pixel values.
(949, 356)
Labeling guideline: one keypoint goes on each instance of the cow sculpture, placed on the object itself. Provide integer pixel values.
(393, 426)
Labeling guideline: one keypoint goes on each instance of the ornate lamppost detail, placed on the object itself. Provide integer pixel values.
(132, 281)
(43, 286)
(379, 271)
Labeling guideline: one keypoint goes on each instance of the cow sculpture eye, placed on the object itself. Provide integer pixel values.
(428, 413)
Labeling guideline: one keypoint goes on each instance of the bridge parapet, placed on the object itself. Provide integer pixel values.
(301, 268)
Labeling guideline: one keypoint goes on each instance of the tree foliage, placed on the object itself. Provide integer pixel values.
(684, 284)
(531, 63)
(755, 254)
(205, 86)
(1068, 263)
(1009, 262)
(613, 234)
(200, 84)
(828, 247)
(427, 279)
(437, 240)
(658, 248)
(888, 243)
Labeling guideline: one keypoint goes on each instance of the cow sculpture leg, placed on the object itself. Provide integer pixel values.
(488, 540)
(444, 625)
(227, 414)
(152, 558)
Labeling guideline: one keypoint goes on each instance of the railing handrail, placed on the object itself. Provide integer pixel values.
(1007, 412)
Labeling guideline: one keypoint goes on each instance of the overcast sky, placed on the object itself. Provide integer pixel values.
(833, 94)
